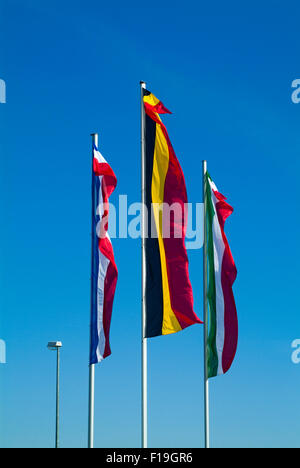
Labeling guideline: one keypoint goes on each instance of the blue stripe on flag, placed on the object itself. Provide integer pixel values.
(95, 270)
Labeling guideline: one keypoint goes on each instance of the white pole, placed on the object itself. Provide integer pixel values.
(205, 328)
(91, 406)
(92, 366)
(144, 339)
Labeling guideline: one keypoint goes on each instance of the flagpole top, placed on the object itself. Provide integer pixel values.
(95, 138)
(143, 84)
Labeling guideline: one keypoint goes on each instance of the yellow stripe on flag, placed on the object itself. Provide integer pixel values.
(160, 169)
(151, 99)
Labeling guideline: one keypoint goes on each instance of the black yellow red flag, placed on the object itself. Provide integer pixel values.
(169, 295)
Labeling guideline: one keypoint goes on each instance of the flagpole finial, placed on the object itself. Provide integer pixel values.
(95, 138)
(143, 84)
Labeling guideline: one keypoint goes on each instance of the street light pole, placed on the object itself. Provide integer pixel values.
(56, 346)
(57, 399)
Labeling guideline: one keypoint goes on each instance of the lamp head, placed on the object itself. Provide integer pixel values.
(54, 345)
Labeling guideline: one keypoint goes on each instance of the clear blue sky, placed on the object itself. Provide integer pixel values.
(225, 70)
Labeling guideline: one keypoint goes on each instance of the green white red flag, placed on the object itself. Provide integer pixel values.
(223, 324)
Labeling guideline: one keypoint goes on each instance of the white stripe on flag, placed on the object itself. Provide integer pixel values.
(103, 266)
(219, 249)
(99, 156)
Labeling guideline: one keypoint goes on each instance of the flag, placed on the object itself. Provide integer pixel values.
(104, 270)
(169, 296)
(223, 323)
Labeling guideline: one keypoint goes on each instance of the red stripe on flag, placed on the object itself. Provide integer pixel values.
(228, 277)
(181, 292)
(109, 293)
(109, 181)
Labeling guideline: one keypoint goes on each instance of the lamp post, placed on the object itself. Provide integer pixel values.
(56, 346)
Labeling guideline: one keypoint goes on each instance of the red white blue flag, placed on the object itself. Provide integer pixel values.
(104, 270)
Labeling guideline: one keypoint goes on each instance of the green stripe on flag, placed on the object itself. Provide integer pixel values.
(212, 356)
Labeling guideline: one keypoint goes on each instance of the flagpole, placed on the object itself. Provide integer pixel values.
(144, 339)
(91, 406)
(92, 366)
(205, 308)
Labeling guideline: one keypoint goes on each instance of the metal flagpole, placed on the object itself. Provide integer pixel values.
(144, 339)
(205, 308)
(56, 346)
(91, 406)
(92, 366)
(57, 398)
